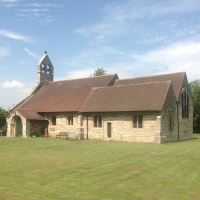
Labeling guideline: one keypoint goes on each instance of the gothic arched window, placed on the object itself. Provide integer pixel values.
(185, 103)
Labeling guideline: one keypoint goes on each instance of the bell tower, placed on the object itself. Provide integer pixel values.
(44, 69)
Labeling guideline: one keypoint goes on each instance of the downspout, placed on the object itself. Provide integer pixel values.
(87, 126)
(177, 103)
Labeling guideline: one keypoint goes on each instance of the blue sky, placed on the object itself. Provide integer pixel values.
(129, 37)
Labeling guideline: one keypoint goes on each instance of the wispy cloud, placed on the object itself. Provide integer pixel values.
(42, 13)
(35, 10)
(46, 5)
(10, 5)
(128, 18)
(16, 36)
(12, 84)
(181, 56)
(31, 53)
(94, 57)
(9, 1)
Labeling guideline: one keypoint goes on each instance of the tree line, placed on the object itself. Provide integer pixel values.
(3, 115)
(195, 91)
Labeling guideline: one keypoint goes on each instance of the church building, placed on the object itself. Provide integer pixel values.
(153, 109)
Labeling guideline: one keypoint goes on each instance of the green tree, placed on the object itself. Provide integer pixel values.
(195, 91)
(3, 115)
(99, 72)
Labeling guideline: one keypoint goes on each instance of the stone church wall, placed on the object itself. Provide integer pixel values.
(183, 128)
(169, 133)
(62, 123)
(122, 127)
(186, 124)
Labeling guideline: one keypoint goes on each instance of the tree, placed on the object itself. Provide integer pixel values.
(195, 91)
(3, 115)
(99, 72)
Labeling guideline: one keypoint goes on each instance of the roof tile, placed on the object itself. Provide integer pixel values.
(31, 115)
(176, 78)
(65, 96)
(133, 97)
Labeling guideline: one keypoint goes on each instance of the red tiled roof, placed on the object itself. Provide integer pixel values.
(31, 115)
(137, 97)
(65, 96)
(176, 78)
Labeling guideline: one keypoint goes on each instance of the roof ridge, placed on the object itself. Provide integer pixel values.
(153, 82)
(151, 76)
(90, 77)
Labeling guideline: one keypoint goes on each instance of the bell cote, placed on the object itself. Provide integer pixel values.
(44, 69)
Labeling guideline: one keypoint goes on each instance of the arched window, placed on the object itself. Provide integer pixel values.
(43, 68)
(185, 104)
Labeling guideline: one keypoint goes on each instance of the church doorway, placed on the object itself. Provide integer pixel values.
(18, 127)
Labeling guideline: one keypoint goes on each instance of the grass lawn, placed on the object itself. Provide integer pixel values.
(53, 168)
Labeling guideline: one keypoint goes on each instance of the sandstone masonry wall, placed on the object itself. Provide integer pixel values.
(122, 127)
(62, 123)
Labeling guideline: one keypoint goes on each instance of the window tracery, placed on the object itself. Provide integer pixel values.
(185, 103)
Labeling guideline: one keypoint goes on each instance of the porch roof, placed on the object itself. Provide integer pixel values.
(31, 115)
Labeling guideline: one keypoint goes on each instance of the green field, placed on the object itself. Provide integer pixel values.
(54, 168)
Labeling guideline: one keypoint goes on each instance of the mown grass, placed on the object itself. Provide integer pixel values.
(53, 168)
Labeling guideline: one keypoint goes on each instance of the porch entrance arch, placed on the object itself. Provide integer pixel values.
(17, 127)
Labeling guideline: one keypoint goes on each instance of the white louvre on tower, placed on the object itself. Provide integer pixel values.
(44, 70)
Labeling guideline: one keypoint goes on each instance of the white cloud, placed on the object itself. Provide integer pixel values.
(11, 96)
(12, 84)
(31, 54)
(15, 36)
(182, 56)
